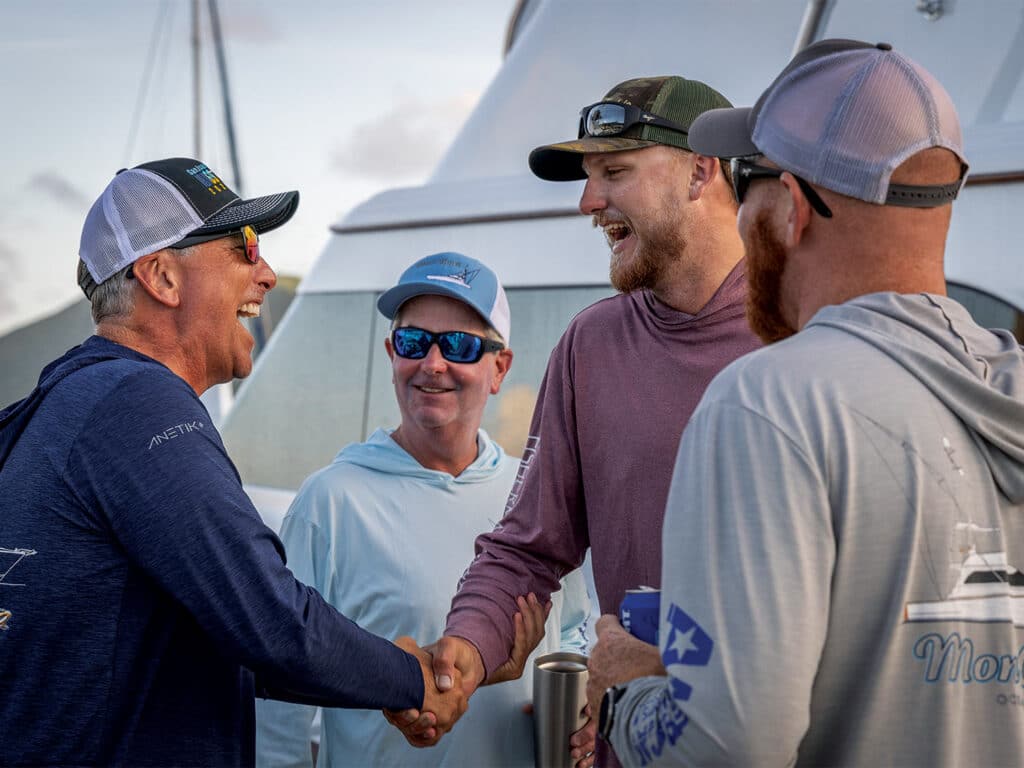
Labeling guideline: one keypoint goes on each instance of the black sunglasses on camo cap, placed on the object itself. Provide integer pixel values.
(609, 118)
(744, 171)
(455, 346)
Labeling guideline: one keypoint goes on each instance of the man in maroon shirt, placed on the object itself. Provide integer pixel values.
(624, 378)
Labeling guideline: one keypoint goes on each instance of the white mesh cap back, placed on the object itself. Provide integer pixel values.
(847, 120)
(138, 213)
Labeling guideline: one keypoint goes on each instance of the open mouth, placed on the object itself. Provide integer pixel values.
(616, 232)
(252, 309)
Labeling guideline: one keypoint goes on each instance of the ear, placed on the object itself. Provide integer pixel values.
(705, 171)
(160, 276)
(502, 362)
(388, 348)
(798, 214)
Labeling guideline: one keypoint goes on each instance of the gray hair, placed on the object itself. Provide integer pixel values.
(115, 296)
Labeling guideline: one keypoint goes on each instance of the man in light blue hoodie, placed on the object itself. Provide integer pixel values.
(844, 535)
(385, 531)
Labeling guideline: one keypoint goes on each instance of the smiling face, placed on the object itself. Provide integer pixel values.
(639, 199)
(443, 402)
(219, 289)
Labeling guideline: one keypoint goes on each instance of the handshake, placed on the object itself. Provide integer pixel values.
(453, 669)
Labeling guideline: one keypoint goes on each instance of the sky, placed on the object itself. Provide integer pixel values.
(336, 98)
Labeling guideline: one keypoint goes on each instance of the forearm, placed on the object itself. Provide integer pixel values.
(482, 611)
(328, 660)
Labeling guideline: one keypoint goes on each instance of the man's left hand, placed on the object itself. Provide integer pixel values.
(617, 658)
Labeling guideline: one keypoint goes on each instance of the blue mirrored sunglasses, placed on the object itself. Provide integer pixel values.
(455, 346)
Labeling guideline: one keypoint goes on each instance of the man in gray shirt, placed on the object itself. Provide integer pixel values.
(844, 534)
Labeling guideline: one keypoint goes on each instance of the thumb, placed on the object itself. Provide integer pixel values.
(444, 667)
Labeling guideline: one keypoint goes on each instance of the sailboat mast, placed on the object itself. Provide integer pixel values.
(229, 123)
(197, 96)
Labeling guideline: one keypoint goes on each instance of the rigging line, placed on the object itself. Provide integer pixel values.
(160, 85)
(140, 99)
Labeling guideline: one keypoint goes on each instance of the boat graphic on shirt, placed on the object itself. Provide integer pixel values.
(988, 589)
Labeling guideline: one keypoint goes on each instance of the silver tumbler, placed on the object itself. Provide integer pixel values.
(559, 696)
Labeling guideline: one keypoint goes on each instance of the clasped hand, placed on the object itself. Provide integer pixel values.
(453, 669)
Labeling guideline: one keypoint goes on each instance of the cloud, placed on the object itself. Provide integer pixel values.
(60, 190)
(406, 143)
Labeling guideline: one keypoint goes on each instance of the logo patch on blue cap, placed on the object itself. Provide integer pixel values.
(463, 278)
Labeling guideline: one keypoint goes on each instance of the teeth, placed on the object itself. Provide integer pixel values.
(432, 390)
(252, 309)
(616, 232)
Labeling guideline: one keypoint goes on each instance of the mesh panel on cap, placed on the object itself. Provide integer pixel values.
(137, 214)
(152, 212)
(98, 248)
(848, 120)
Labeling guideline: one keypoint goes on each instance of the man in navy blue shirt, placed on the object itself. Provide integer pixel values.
(144, 602)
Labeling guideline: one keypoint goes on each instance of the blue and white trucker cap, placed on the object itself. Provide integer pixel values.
(844, 114)
(451, 274)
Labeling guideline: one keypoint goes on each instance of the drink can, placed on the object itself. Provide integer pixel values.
(640, 612)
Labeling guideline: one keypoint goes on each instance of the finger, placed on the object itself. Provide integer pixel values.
(428, 739)
(528, 708)
(583, 739)
(444, 665)
(401, 718)
(525, 614)
(540, 612)
(423, 724)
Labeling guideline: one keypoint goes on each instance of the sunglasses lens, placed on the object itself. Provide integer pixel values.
(455, 346)
(411, 343)
(252, 244)
(459, 347)
(605, 120)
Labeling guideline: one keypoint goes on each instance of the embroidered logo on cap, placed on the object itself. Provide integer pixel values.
(463, 278)
(201, 173)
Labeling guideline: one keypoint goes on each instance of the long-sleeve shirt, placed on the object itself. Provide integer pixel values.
(844, 545)
(385, 540)
(619, 389)
(144, 601)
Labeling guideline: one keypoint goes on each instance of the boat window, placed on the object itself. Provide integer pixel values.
(307, 397)
(539, 317)
(989, 311)
(986, 577)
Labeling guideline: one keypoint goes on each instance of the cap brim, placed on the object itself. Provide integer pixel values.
(261, 213)
(564, 161)
(723, 133)
(393, 298)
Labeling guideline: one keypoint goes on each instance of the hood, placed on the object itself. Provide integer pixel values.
(383, 454)
(978, 374)
(15, 417)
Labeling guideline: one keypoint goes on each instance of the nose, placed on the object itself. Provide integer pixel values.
(434, 362)
(265, 276)
(593, 199)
